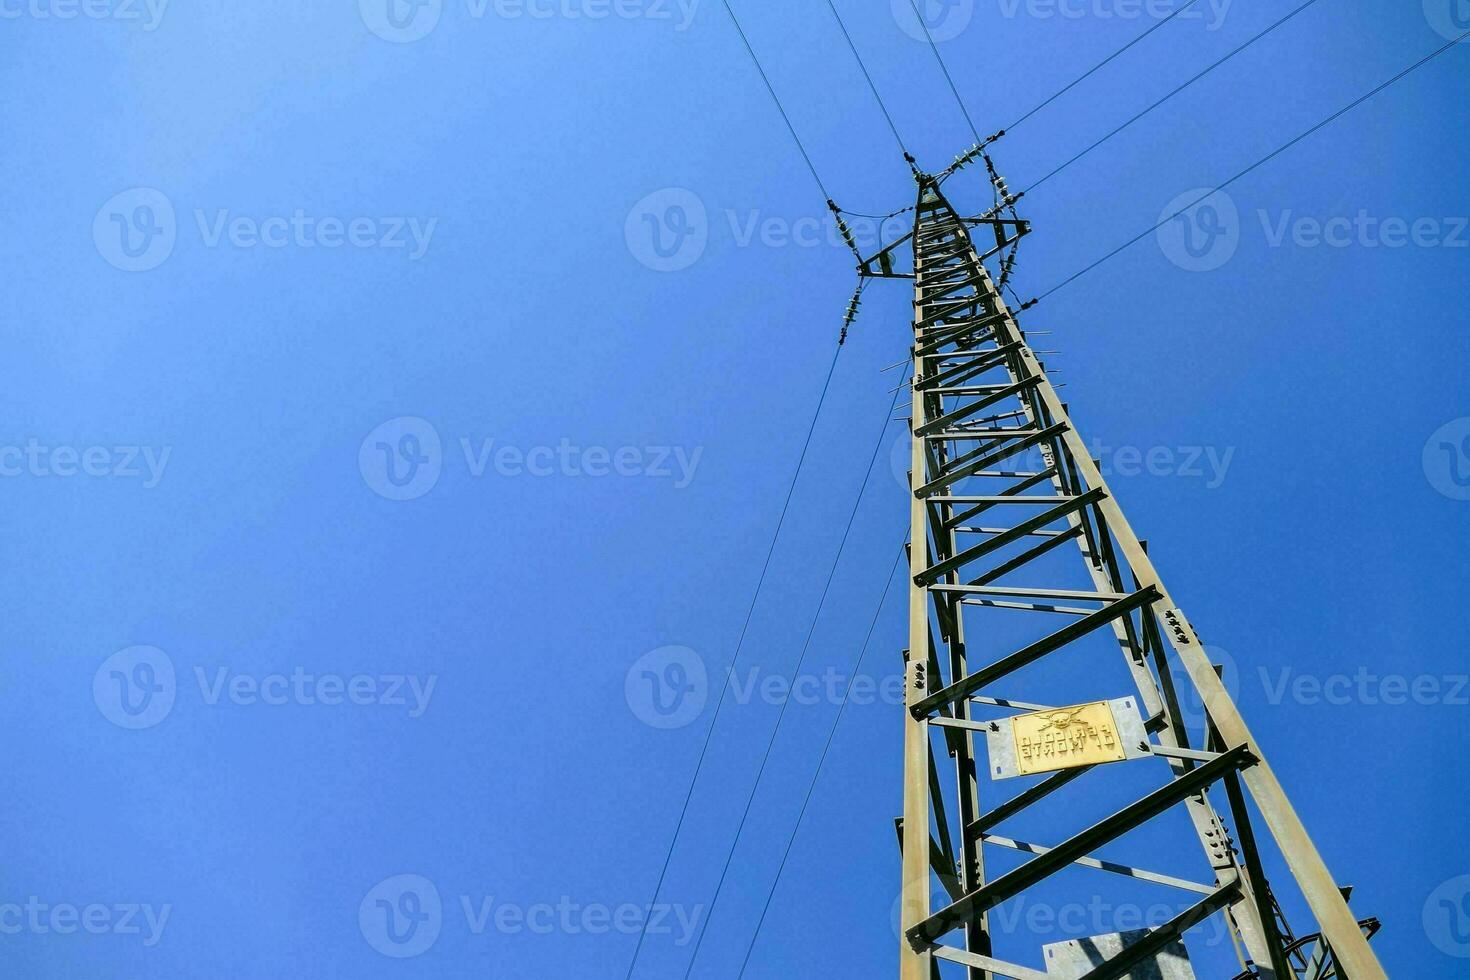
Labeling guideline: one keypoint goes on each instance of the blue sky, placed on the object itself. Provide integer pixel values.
(425, 240)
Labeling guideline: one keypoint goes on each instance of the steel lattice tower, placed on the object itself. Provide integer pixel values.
(987, 536)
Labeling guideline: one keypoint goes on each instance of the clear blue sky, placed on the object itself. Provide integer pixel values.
(344, 227)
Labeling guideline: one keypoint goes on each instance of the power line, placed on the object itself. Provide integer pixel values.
(954, 90)
(897, 138)
(1095, 68)
(777, 99)
(1262, 162)
(879, 217)
(795, 671)
(944, 68)
(831, 734)
(740, 643)
(1166, 98)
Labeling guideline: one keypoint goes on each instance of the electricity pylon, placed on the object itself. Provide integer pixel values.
(1001, 483)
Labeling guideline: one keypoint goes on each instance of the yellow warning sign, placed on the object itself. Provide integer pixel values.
(1066, 738)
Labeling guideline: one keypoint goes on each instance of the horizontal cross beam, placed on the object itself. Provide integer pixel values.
(1008, 885)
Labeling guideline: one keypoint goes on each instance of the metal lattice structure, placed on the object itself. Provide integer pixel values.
(987, 533)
